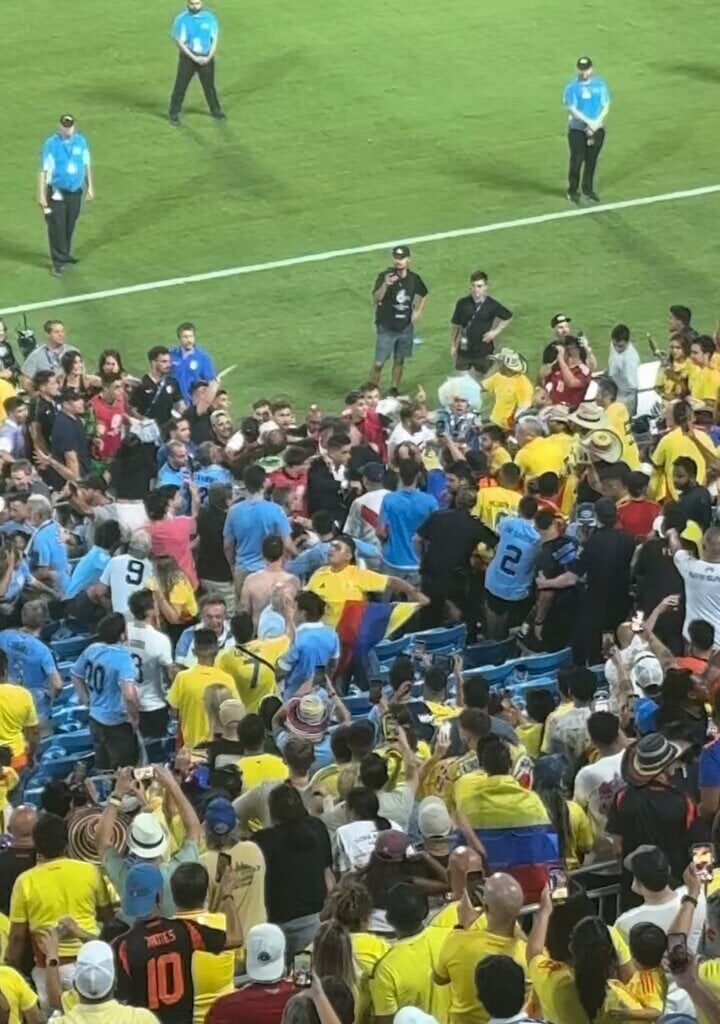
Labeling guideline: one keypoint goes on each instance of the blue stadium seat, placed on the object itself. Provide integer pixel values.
(489, 652)
(543, 664)
(60, 767)
(386, 651)
(71, 741)
(358, 706)
(68, 718)
(452, 637)
(70, 648)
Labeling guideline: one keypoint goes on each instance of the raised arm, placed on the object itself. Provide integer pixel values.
(190, 820)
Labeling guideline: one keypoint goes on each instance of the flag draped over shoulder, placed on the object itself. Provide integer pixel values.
(363, 624)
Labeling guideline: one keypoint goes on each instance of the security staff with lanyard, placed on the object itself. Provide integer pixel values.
(196, 33)
(64, 170)
(587, 101)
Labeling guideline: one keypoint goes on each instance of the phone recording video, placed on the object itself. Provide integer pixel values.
(558, 885)
(391, 729)
(677, 951)
(145, 774)
(703, 857)
(475, 886)
(302, 969)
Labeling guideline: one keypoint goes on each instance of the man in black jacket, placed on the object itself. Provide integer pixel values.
(328, 488)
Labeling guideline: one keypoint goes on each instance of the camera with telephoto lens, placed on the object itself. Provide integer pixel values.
(27, 342)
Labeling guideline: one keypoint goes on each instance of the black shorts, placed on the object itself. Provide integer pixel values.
(514, 611)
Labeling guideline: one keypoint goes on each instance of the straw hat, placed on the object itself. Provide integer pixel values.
(308, 717)
(589, 416)
(512, 361)
(602, 446)
(649, 757)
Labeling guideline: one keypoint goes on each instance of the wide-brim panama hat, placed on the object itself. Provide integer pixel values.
(603, 445)
(555, 414)
(648, 757)
(308, 716)
(147, 838)
(589, 416)
(510, 360)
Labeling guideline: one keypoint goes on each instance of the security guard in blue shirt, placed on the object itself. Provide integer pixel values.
(587, 101)
(64, 170)
(196, 33)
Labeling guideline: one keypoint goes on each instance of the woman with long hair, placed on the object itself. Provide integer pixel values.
(298, 859)
(174, 595)
(333, 953)
(110, 363)
(672, 381)
(350, 904)
(572, 825)
(72, 373)
(595, 970)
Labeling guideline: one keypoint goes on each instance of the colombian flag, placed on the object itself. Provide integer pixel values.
(514, 827)
(363, 624)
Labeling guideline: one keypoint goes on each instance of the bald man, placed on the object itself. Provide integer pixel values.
(465, 946)
(462, 860)
(19, 856)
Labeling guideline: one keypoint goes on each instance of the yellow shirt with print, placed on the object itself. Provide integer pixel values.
(18, 994)
(404, 977)
(499, 458)
(554, 987)
(671, 447)
(460, 954)
(649, 987)
(59, 888)
(350, 584)
(212, 973)
(619, 420)
(17, 712)
(494, 502)
(368, 950)
(704, 383)
(541, 455)
(253, 680)
(510, 393)
(187, 694)
(672, 381)
(257, 768)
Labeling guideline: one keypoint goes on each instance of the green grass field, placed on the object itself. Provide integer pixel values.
(351, 124)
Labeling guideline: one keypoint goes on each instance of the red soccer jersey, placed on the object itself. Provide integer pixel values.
(637, 516)
(110, 420)
(560, 393)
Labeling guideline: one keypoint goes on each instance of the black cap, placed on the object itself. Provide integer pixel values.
(198, 384)
(67, 120)
(584, 63)
(71, 394)
(605, 511)
(373, 471)
(560, 318)
(401, 252)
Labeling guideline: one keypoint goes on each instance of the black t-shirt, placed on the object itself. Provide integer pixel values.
(154, 965)
(696, 503)
(657, 815)
(200, 426)
(156, 399)
(451, 536)
(43, 412)
(475, 319)
(395, 311)
(211, 561)
(69, 435)
(656, 574)
(295, 860)
(605, 563)
(556, 557)
(13, 861)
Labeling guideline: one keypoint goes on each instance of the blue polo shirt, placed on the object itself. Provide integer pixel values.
(187, 367)
(30, 664)
(248, 524)
(104, 668)
(47, 550)
(65, 161)
(402, 513)
(196, 30)
(87, 571)
(168, 475)
(315, 646)
(588, 97)
(511, 574)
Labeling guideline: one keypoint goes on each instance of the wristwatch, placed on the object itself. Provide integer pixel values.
(52, 962)
(114, 801)
(687, 898)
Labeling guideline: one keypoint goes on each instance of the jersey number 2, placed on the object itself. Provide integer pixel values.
(512, 556)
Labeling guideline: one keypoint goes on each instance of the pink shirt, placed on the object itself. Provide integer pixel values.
(172, 537)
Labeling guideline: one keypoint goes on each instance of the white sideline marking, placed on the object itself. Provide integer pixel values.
(357, 250)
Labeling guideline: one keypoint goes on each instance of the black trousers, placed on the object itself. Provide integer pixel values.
(583, 157)
(154, 724)
(186, 70)
(115, 745)
(61, 223)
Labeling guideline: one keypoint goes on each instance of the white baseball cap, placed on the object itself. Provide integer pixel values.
(265, 953)
(434, 819)
(413, 1015)
(146, 837)
(95, 970)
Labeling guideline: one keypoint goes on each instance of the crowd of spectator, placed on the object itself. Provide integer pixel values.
(326, 836)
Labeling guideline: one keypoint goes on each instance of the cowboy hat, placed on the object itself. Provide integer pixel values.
(555, 413)
(510, 360)
(602, 446)
(308, 717)
(648, 757)
(589, 416)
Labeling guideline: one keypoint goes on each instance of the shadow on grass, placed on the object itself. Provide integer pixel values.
(14, 251)
(701, 72)
(501, 177)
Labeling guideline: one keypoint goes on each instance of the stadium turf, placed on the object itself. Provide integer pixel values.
(349, 124)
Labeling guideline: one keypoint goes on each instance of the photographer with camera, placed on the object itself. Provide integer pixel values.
(396, 312)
